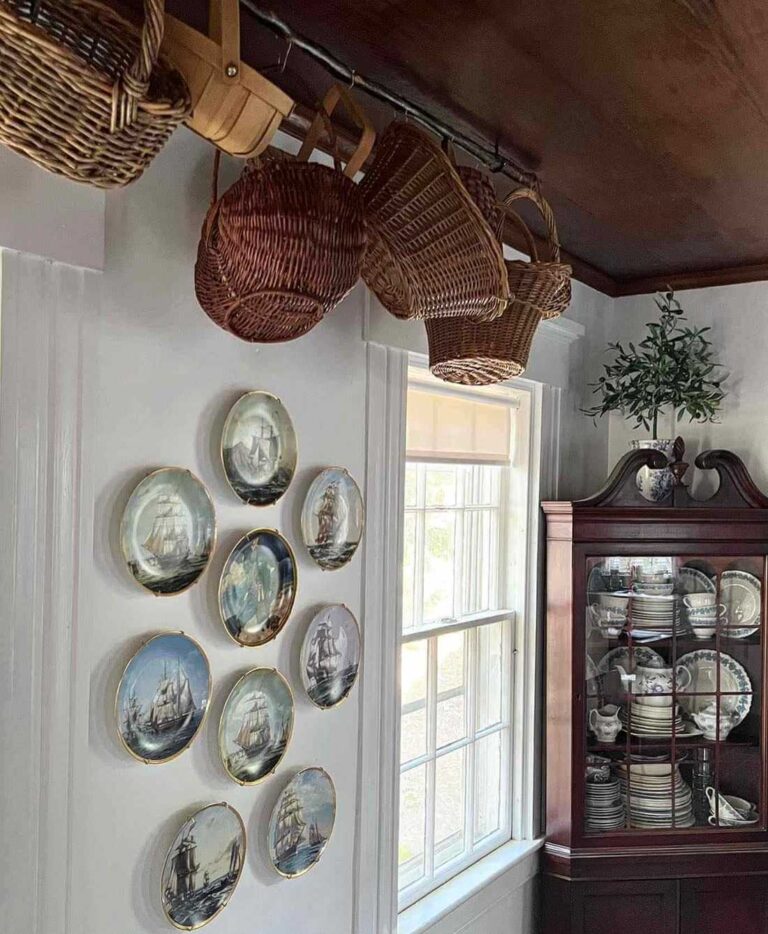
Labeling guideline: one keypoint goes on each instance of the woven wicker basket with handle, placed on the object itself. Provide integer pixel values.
(464, 351)
(85, 93)
(233, 106)
(430, 252)
(284, 244)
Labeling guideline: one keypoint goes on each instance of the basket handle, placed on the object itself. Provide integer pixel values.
(335, 94)
(133, 84)
(224, 29)
(523, 228)
(546, 212)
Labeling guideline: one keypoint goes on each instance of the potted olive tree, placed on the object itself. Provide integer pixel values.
(673, 369)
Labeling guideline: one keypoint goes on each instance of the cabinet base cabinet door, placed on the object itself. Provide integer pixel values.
(637, 907)
(724, 905)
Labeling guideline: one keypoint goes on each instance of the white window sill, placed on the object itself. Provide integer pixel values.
(449, 896)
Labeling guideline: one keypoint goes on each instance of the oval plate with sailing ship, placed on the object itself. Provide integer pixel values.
(302, 822)
(162, 698)
(256, 725)
(203, 866)
(257, 587)
(332, 518)
(330, 656)
(258, 448)
(168, 531)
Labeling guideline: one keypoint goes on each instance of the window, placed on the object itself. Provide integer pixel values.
(464, 584)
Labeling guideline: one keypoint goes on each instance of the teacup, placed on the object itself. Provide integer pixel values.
(699, 601)
(712, 725)
(609, 621)
(728, 810)
(598, 769)
(619, 603)
(703, 630)
(604, 723)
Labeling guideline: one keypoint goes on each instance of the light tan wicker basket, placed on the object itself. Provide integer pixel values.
(284, 244)
(85, 93)
(430, 252)
(233, 106)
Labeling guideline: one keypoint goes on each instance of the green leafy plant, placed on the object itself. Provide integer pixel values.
(673, 367)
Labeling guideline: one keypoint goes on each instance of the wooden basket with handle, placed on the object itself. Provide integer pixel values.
(233, 106)
(430, 252)
(284, 244)
(475, 353)
(85, 93)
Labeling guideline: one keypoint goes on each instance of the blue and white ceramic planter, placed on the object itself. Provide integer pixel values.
(655, 485)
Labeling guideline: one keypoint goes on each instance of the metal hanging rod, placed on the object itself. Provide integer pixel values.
(492, 158)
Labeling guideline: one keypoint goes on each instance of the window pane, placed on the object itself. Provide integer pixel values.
(409, 571)
(413, 723)
(487, 785)
(440, 542)
(449, 806)
(489, 674)
(441, 485)
(451, 688)
(479, 562)
(412, 826)
(411, 484)
(483, 486)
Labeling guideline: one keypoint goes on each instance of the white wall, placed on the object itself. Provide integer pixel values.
(152, 379)
(737, 315)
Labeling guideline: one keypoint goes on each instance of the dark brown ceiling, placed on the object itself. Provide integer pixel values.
(646, 121)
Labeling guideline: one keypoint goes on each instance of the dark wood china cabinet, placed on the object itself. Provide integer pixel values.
(656, 780)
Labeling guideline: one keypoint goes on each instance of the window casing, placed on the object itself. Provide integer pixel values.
(465, 533)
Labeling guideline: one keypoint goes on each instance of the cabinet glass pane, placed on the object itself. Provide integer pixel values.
(674, 672)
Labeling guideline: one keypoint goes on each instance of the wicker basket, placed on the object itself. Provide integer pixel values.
(477, 354)
(83, 92)
(545, 285)
(284, 244)
(430, 254)
(233, 106)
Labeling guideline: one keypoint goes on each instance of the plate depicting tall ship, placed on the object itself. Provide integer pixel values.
(256, 725)
(302, 822)
(332, 518)
(203, 866)
(258, 448)
(168, 531)
(162, 698)
(257, 587)
(330, 656)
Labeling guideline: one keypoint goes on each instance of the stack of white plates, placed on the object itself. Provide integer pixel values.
(656, 613)
(654, 793)
(651, 721)
(604, 809)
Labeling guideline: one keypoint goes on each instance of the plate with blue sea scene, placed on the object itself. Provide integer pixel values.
(330, 656)
(163, 697)
(332, 518)
(302, 822)
(259, 449)
(256, 725)
(203, 866)
(168, 531)
(257, 588)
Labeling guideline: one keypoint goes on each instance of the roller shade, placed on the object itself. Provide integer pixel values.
(444, 427)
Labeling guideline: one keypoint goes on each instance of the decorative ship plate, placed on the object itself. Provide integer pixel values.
(168, 531)
(257, 587)
(332, 518)
(740, 593)
(330, 656)
(203, 866)
(162, 698)
(302, 822)
(258, 448)
(256, 725)
(734, 683)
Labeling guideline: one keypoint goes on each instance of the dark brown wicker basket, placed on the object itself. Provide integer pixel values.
(430, 254)
(281, 247)
(476, 354)
(83, 92)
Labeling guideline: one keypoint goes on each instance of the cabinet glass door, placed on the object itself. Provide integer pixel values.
(674, 678)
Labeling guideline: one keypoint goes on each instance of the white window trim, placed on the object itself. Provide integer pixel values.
(375, 910)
